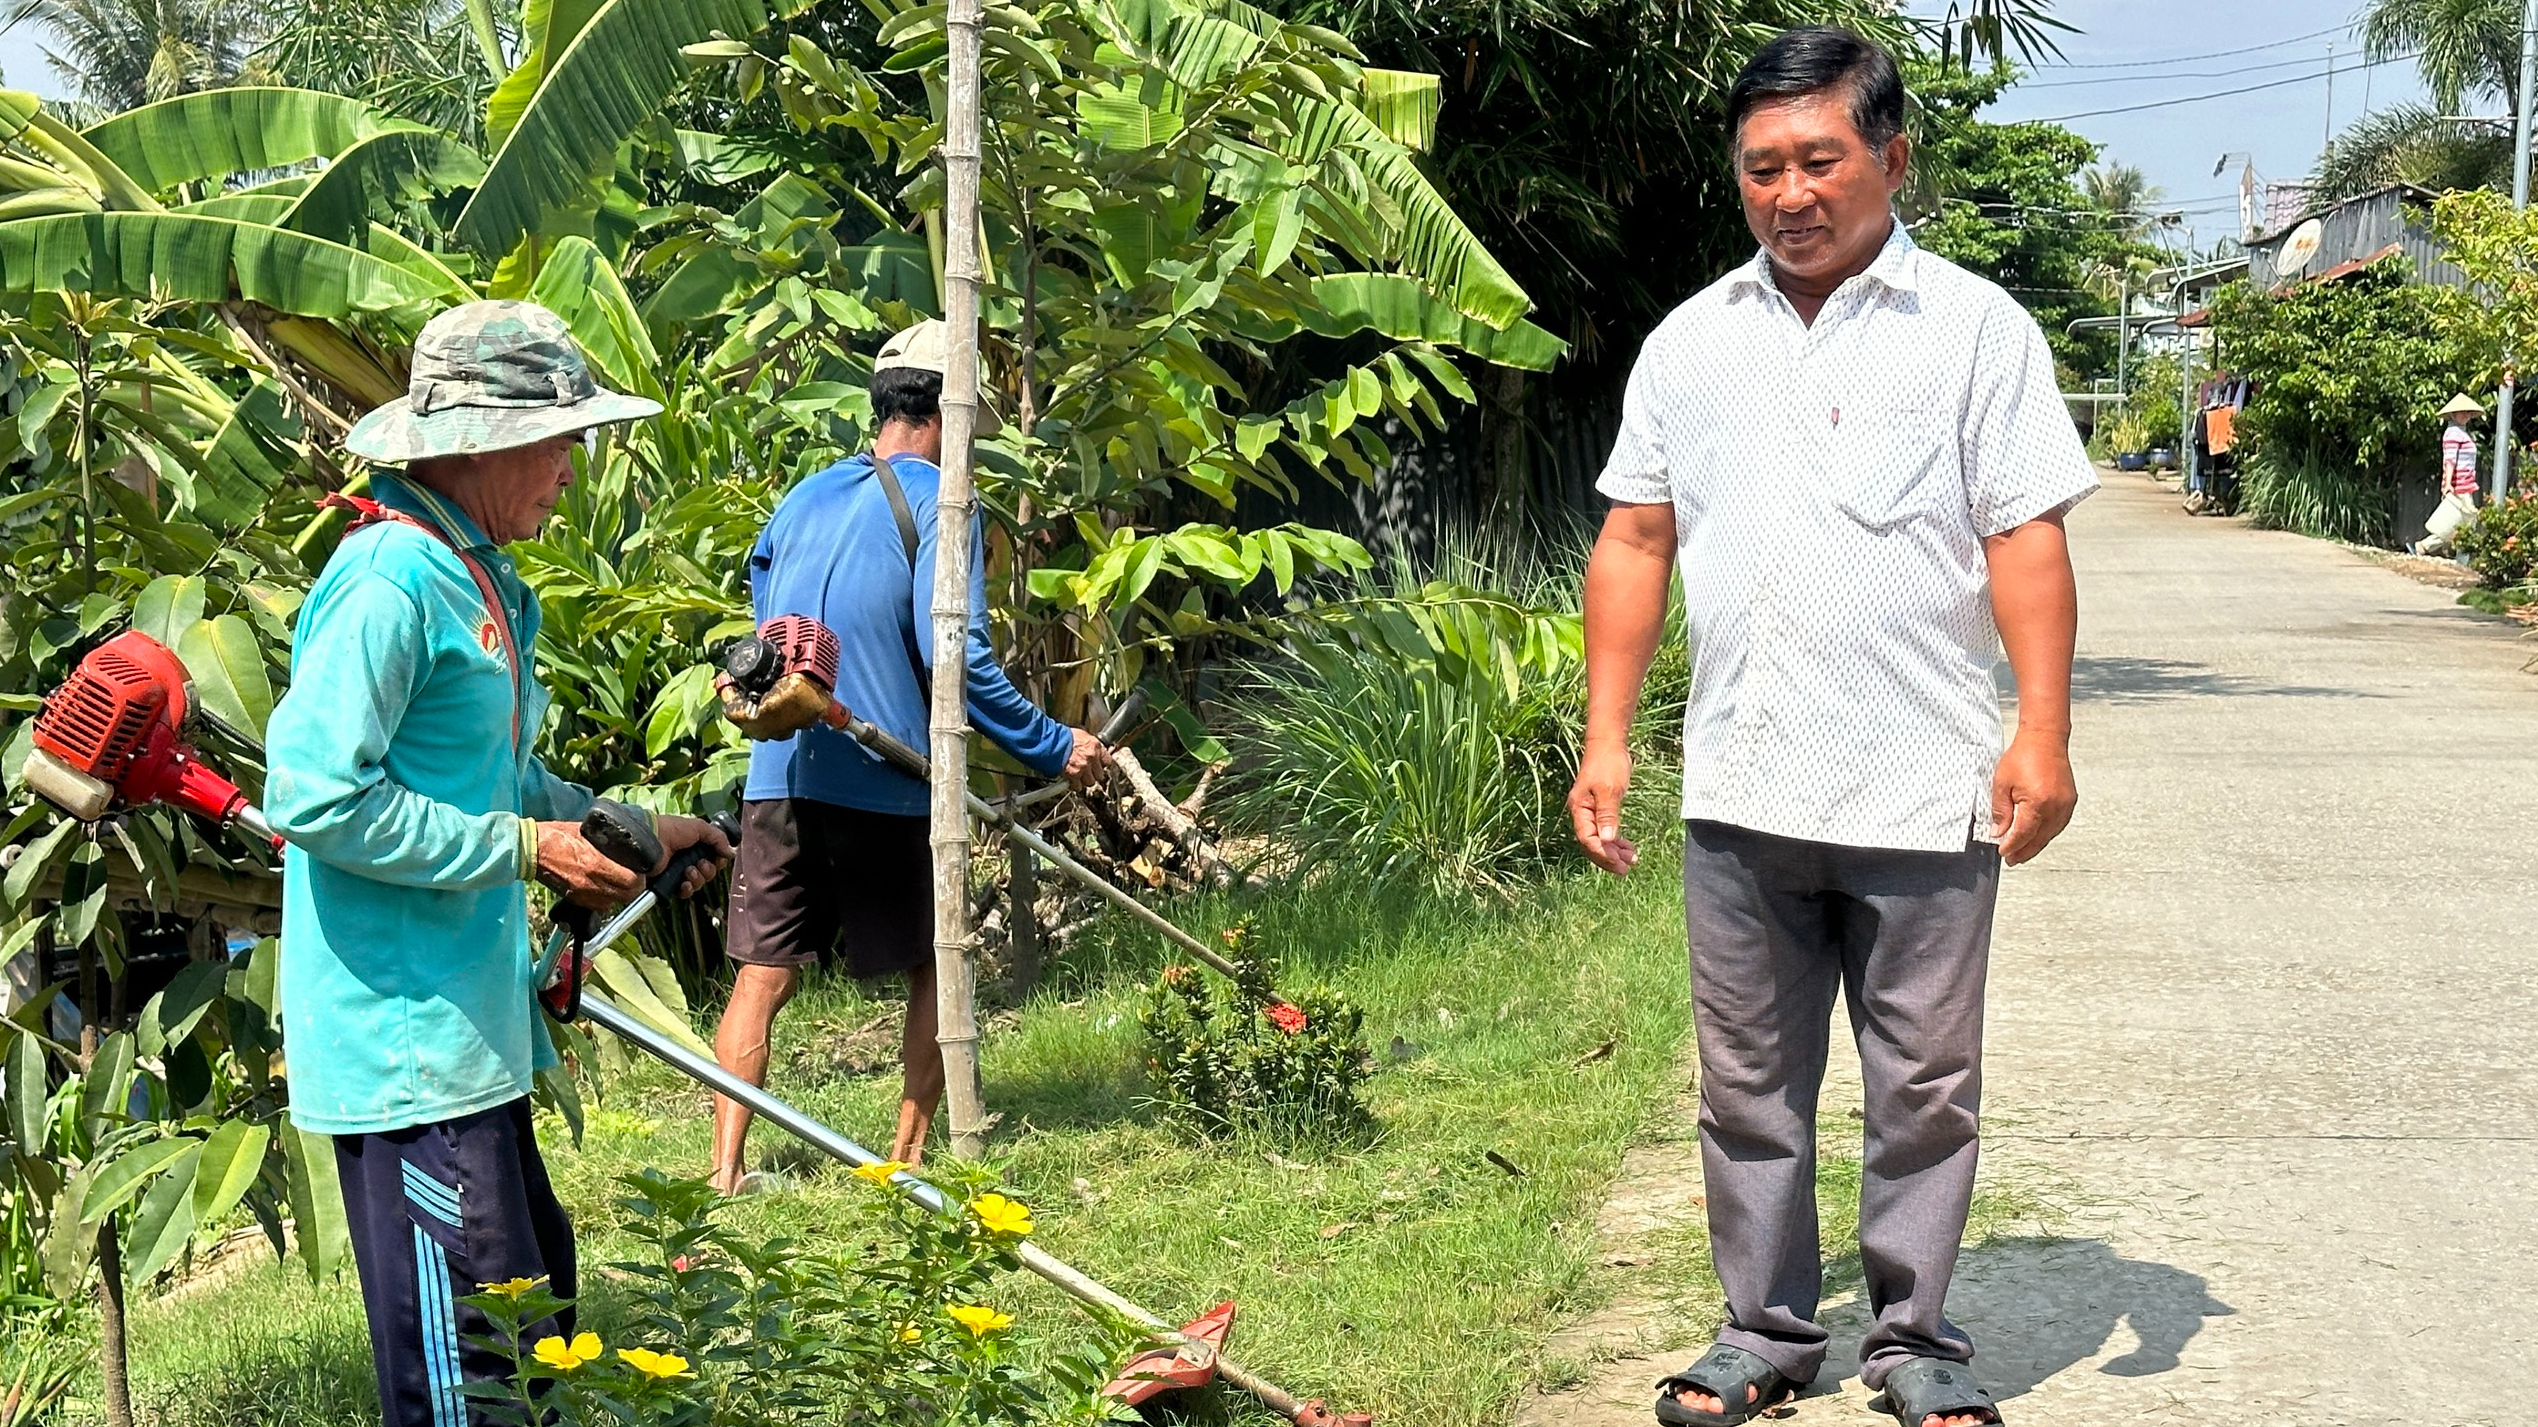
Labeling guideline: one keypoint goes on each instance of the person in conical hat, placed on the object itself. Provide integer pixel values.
(2459, 479)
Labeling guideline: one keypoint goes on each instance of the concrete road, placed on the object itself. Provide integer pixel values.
(2261, 1023)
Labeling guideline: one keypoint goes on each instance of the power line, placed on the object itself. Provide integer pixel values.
(2216, 94)
(2210, 54)
(2182, 74)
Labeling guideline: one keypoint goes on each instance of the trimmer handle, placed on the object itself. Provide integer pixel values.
(625, 835)
(666, 886)
(1124, 720)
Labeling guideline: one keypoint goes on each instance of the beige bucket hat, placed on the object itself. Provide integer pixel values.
(489, 376)
(2462, 405)
(927, 347)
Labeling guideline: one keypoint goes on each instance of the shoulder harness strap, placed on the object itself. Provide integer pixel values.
(368, 512)
(905, 518)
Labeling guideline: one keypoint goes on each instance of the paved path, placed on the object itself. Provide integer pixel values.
(2262, 1022)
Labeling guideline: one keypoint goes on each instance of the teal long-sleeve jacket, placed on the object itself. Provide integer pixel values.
(394, 777)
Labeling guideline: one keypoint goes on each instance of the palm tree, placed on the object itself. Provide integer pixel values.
(2411, 144)
(2123, 192)
(415, 58)
(121, 54)
(2468, 52)
(2462, 48)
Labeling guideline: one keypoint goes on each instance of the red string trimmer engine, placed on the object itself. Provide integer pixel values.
(114, 737)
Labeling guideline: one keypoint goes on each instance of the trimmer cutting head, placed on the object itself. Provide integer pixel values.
(1193, 1363)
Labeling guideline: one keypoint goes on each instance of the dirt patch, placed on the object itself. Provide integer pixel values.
(2422, 569)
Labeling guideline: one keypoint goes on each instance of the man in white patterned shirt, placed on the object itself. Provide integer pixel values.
(1856, 455)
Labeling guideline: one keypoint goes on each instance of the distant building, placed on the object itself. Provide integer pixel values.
(2354, 234)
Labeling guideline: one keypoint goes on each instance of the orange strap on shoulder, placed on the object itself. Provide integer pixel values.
(371, 512)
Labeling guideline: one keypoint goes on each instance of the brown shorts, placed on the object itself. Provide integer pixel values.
(816, 880)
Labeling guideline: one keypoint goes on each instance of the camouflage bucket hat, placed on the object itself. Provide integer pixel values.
(489, 376)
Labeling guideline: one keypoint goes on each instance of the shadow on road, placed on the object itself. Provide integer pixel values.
(2118, 679)
(2039, 1306)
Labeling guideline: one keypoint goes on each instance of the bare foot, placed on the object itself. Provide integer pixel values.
(726, 1181)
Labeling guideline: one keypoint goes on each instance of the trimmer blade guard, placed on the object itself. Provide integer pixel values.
(1150, 1375)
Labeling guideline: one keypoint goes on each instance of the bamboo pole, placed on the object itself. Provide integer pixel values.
(955, 976)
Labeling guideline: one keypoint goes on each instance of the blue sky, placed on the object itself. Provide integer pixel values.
(22, 63)
(2175, 144)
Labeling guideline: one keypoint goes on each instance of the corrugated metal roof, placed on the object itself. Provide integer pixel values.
(2359, 231)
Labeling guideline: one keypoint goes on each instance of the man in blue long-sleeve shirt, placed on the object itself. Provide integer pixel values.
(834, 853)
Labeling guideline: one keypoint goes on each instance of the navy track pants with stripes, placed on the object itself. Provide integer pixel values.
(437, 1210)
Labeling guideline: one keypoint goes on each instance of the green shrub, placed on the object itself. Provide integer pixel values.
(896, 1327)
(2348, 377)
(1224, 1059)
(2501, 542)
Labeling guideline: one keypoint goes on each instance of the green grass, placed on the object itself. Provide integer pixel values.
(1406, 1275)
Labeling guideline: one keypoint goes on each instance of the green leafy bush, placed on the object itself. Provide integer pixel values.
(1224, 1058)
(2501, 542)
(2347, 379)
(891, 1324)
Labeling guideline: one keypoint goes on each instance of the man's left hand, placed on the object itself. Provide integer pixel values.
(2033, 794)
(680, 833)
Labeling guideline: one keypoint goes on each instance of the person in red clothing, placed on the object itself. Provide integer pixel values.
(2459, 478)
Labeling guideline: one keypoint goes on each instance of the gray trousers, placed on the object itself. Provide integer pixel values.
(1775, 927)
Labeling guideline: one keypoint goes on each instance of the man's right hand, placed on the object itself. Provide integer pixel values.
(1595, 804)
(582, 873)
(1087, 760)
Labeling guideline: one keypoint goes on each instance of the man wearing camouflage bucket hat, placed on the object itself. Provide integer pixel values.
(401, 776)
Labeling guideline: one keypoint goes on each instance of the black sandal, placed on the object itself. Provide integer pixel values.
(1923, 1388)
(1724, 1373)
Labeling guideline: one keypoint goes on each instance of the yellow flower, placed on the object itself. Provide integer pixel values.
(657, 1366)
(880, 1173)
(908, 1333)
(564, 1356)
(1001, 1215)
(979, 1319)
(511, 1288)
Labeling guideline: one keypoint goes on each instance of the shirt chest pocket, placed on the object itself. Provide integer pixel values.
(1892, 464)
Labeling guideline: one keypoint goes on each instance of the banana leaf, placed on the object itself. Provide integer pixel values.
(577, 284)
(1405, 104)
(245, 461)
(394, 166)
(548, 27)
(1399, 308)
(219, 132)
(1431, 241)
(202, 257)
(607, 83)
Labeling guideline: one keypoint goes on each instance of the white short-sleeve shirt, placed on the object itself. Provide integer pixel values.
(1831, 486)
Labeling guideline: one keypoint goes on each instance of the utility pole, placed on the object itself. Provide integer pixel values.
(955, 976)
(2330, 119)
(2520, 200)
(2124, 332)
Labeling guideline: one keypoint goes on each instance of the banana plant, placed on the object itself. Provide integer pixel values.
(141, 206)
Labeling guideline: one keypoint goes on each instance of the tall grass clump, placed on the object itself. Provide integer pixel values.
(2324, 499)
(1430, 741)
